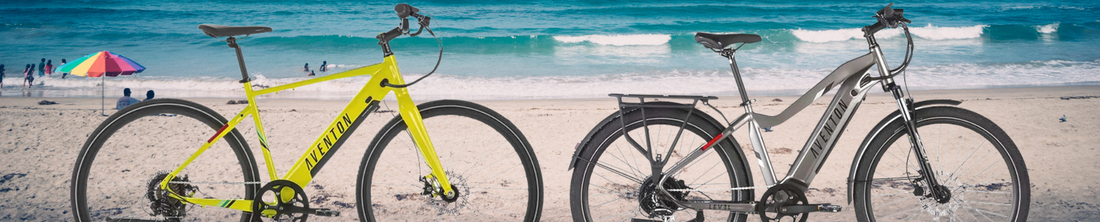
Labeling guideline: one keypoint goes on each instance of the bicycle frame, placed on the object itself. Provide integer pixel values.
(330, 140)
(854, 82)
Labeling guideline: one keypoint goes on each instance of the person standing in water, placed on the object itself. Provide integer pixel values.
(1, 75)
(59, 67)
(324, 66)
(42, 67)
(306, 68)
(28, 75)
(49, 68)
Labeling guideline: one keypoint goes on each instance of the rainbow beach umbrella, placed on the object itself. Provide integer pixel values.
(99, 64)
(102, 63)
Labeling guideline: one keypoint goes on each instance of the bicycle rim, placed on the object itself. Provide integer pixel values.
(612, 183)
(487, 161)
(977, 165)
(117, 171)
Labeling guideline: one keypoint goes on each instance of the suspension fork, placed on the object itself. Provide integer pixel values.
(927, 173)
(905, 107)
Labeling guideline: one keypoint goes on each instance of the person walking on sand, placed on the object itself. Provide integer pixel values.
(125, 100)
(306, 69)
(324, 66)
(41, 67)
(49, 68)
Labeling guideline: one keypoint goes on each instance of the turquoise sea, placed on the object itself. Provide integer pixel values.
(548, 49)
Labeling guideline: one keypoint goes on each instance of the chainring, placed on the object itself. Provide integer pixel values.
(278, 205)
(778, 196)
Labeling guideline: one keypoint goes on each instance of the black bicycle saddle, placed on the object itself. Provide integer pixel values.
(721, 41)
(224, 30)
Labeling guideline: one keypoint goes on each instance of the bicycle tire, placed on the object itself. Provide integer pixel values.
(114, 140)
(486, 196)
(882, 187)
(700, 128)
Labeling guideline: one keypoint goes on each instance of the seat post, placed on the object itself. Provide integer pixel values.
(232, 42)
(729, 54)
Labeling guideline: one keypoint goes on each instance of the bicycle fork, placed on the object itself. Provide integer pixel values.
(905, 106)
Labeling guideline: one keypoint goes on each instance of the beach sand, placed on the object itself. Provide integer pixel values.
(39, 145)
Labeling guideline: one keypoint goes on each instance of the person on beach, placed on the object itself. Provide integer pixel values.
(148, 95)
(1, 75)
(49, 68)
(41, 67)
(306, 69)
(59, 67)
(324, 66)
(125, 100)
(311, 73)
(28, 75)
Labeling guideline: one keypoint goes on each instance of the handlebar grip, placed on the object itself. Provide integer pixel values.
(390, 35)
(872, 29)
(404, 10)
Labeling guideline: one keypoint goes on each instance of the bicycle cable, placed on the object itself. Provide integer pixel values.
(438, 40)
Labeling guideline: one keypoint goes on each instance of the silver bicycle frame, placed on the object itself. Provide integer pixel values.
(853, 82)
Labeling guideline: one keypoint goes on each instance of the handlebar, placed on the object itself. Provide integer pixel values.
(404, 11)
(887, 17)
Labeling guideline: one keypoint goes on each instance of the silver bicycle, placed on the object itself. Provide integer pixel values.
(930, 160)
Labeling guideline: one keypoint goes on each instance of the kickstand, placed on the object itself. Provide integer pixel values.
(698, 216)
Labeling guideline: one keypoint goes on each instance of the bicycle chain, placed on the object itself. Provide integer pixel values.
(227, 183)
(736, 188)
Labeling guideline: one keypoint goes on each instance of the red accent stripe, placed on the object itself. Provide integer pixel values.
(712, 141)
(216, 134)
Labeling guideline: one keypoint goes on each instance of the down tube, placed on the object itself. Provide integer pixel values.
(330, 141)
(829, 128)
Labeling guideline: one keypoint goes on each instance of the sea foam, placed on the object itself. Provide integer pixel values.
(788, 81)
(929, 32)
(617, 40)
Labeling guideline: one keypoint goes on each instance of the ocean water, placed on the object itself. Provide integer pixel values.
(548, 49)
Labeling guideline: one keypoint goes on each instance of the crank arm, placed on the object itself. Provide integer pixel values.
(807, 208)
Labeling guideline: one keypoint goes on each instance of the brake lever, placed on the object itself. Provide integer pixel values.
(426, 22)
(423, 21)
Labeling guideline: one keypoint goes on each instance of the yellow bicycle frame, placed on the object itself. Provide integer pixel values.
(310, 163)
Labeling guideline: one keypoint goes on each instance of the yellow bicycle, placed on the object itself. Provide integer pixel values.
(477, 165)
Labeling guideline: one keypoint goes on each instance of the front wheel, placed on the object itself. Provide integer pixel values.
(980, 167)
(487, 160)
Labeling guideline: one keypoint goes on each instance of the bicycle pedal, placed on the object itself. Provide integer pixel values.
(326, 213)
(829, 208)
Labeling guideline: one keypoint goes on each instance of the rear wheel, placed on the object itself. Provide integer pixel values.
(980, 167)
(119, 169)
(488, 161)
(613, 179)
